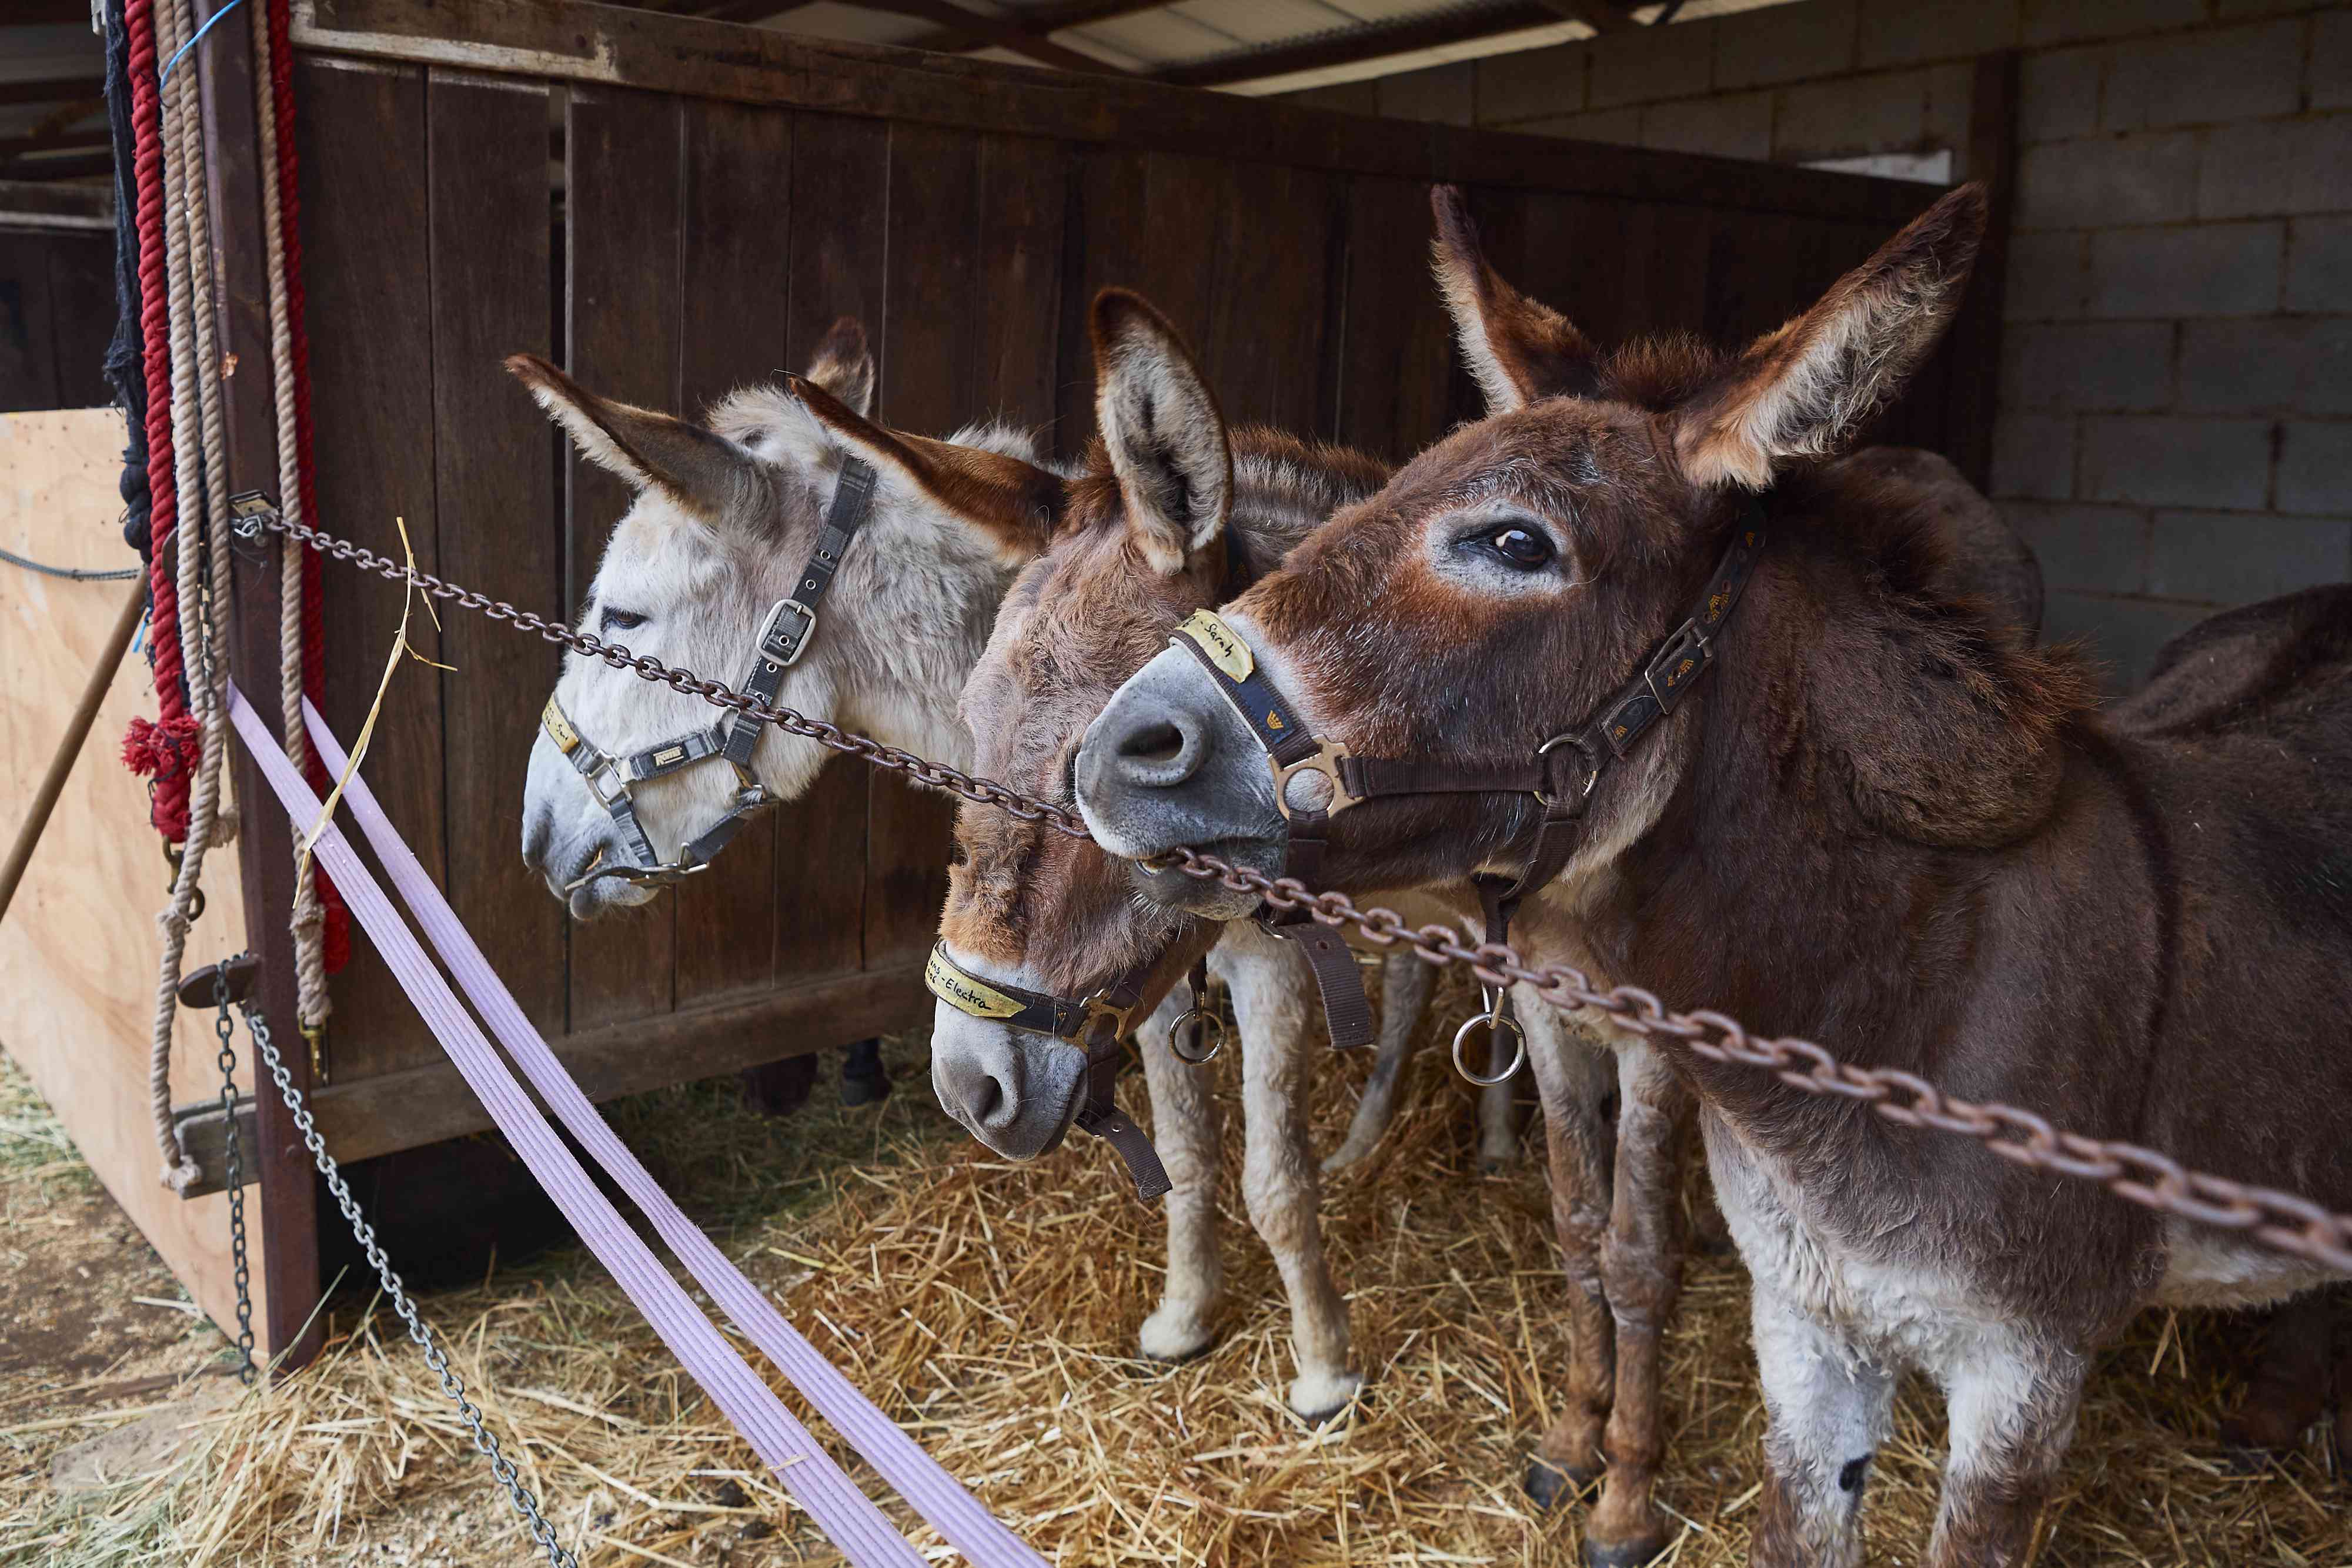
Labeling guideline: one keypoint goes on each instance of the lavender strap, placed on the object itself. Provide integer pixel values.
(865, 1535)
(938, 1496)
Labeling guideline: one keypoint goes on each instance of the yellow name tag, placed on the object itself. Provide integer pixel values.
(559, 729)
(963, 993)
(1225, 650)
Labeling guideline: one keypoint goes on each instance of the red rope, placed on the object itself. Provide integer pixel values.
(167, 749)
(338, 932)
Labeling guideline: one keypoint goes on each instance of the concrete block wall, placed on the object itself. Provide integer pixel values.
(2176, 397)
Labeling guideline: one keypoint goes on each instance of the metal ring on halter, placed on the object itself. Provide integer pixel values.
(1494, 1019)
(1207, 1021)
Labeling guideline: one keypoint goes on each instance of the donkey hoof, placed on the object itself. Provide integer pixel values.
(1315, 1399)
(864, 1091)
(1631, 1553)
(1176, 1334)
(1549, 1483)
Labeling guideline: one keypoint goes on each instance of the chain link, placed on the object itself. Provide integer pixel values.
(485, 1441)
(983, 791)
(2153, 1180)
(233, 1161)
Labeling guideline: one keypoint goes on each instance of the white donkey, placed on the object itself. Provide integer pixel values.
(628, 778)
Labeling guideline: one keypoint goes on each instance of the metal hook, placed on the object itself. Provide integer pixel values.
(1495, 1020)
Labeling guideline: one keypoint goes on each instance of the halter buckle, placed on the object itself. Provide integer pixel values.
(620, 787)
(1097, 1007)
(1325, 759)
(778, 650)
(1682, 660)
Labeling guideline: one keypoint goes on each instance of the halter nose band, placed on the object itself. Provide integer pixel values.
(734, 736)
(1095, 1023)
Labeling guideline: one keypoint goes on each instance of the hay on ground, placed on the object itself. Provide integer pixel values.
(993, 1308)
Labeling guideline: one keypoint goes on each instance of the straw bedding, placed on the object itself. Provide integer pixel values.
(993, 1308)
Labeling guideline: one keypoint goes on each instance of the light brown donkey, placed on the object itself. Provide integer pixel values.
(1880, 820)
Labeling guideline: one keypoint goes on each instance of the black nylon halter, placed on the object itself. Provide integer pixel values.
(733, 736)
(1096, 1024)
(1314, 780)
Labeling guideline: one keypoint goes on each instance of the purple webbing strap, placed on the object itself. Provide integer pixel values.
(847, 1516)
(938, 1496)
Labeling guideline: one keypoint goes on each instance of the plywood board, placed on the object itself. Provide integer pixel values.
(77, 950)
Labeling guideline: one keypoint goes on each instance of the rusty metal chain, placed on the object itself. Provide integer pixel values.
(938, 775)
(2144, 1177)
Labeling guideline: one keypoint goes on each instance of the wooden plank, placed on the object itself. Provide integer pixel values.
(840, 168)
(734, 286)
(616, 45)
(623, 213)
(1668, 253)
(367, 1117)
(286, 1329)
(1144, 221)
(81, 307)
(367, 273)
(77, 949)
(1266, 340)
(28, 349)
(498, 529)
(1397, 347)
(1024, 196)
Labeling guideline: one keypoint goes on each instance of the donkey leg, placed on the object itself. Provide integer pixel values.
(1498, 1125)
(2289, 1389)
(1827, 1410)
(2012, 1402)
(1271, 990)
(1185, 1130)
(1576, 1077)
(1642, 1269)
(1406, 986)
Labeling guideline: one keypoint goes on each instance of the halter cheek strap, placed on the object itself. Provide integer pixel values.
(1314, 780)
(1291, 751)
(1096, 1024)
(734, 736)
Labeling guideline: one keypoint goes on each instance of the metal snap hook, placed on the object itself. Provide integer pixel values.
(1494, 1021)
(1185, 1041)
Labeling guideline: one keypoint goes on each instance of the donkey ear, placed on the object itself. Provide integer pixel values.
(1516, 349)
(1013, 504)
(1163, 430)
(705, 472)
(1806, 389)
(844, 366)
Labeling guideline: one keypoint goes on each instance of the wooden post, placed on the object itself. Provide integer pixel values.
(289, 1218)
(1972, 394)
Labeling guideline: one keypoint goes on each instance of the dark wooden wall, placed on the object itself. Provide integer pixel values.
(57, 316)
(708, 225)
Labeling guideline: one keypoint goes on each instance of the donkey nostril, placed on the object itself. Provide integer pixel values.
(987, 1100)
(1161, 743)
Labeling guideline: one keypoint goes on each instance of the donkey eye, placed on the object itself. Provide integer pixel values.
(621, 621)
(1521, 547)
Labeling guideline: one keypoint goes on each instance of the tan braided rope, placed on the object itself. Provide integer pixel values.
(308, 921)
(197, 427)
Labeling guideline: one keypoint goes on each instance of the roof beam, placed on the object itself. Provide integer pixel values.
(1044, 21)
(959, 31)
(1601, 15)
(1361, 43)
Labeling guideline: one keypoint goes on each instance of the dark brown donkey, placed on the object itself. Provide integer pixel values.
(1880, 820)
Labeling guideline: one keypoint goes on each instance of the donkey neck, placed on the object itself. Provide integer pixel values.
(1769, 886)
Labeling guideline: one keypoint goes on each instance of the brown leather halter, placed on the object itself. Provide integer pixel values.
(1095, 1023)
(1315, 780)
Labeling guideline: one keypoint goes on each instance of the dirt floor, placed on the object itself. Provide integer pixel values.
(993, 1308)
